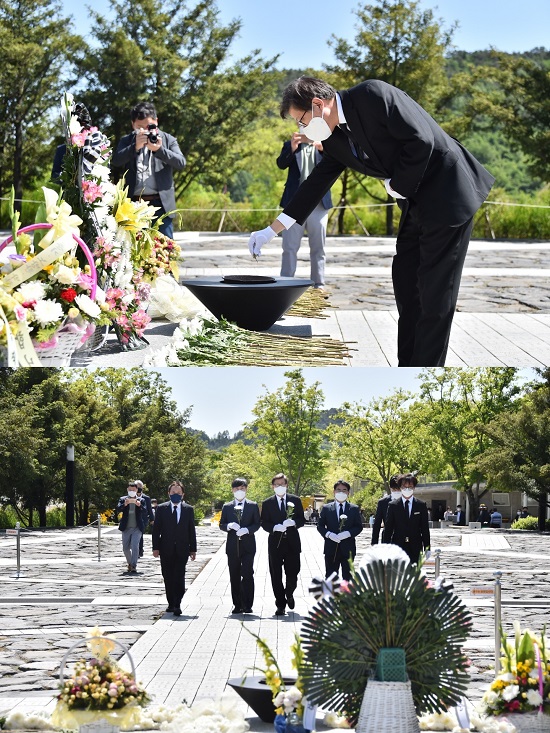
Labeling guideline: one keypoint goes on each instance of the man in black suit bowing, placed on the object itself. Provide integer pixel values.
(282, 516)
(240, 519)
(382, 508)
(340, 523)
(376, 129)
(175, 541)
(407, 520)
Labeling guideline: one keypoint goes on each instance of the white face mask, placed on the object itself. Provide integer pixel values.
(239, 494)
(407, 493)
(395, 495)
(317, 130)
(132, 494)
(280, 490)
(340, 496)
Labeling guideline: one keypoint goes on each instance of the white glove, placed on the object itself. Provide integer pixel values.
(241, 531)
(332, 536)
(344, 535)
(390, 190)
(289, 523)
(258, 239)
(234, 525)
(278, 528)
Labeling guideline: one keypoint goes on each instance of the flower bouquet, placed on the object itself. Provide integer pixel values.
(521, 693)
(48, 301)
(98, 689)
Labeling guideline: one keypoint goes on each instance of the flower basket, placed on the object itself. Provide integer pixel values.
(527, 722)
(387, 707)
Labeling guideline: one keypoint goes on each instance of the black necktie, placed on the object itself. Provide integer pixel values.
(407, 506)
(354, 145)
(175, 515)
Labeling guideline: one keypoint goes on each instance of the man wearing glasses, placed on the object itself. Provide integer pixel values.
(378, 130)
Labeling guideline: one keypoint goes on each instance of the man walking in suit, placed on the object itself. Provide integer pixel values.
(282, 516)
(382, 508)
(376, 129)
(240, 519)
(146, 501)
(175, 541)
(301, 156)
(132, 524)
(407, 520)
(340, 523)
(460, 516)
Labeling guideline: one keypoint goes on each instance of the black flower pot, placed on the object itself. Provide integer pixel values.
(256, 693)
(254, 303)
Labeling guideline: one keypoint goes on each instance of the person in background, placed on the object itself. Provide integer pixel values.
(449, 514)
(496, 519)
(460, 516)
(149, 157)
(382, 507)
(407, 520)
(240, 519)
(340, 523)
(175, 542)
(484, 516)
(301, 156)
(132, 524)
(154, 504)
(144, 499)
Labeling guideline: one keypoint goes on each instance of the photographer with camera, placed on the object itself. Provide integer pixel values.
(134, 520)
(149, 156)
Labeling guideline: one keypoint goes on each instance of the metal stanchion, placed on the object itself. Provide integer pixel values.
(99, 537)
(437, 554)
(498, 619)
(17, 533)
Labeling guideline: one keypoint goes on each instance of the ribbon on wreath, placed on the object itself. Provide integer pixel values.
(324, 587)
(93, 150)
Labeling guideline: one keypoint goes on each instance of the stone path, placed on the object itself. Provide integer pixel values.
(65, 590)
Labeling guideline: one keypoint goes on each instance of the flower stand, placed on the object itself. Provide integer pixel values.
(527, 722)
(387, 707)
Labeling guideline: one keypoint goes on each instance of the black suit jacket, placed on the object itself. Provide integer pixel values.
(250, 519)
(329, 522)
(461, 519)
(293, 161)
(167, 159)
(169, 538)
(142, 516)
(379, 517)
(272, 515)
(411, 533)
(147, 501)
(403, 143)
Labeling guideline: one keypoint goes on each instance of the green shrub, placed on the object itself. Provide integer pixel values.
(529, 523)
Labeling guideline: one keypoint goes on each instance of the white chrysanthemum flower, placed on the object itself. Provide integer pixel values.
(100, 295)
(47, 312)
(31, 291)
(384, 552)
(87, 305)
(65, 275)
(534, 698)
(490, 697)
(74, 126)
(508, 693)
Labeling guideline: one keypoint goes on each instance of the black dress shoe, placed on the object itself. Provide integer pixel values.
(176, 611)
(280, 611)
(237, 610)
(248, 610)
(290, 601)
(170, 609)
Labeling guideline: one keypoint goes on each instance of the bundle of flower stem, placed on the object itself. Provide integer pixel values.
(223, 343)
(312, 304)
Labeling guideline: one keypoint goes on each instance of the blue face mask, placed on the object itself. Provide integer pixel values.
(175, 498)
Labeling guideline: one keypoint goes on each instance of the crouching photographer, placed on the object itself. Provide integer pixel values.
(148, 157)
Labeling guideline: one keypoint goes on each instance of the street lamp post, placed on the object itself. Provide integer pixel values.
(69, 487)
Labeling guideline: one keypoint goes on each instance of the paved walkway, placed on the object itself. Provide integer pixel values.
(503, 311)
(64, 590)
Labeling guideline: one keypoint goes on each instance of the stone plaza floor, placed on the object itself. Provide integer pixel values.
(64, 590)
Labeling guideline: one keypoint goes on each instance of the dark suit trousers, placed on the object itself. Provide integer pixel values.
(172, 566)
(279, 558)
(426, 275)
(241, 576)
(340, 565)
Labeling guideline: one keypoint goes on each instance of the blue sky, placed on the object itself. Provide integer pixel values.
(300, 30)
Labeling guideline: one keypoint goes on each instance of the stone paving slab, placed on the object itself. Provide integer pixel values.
(192, 657)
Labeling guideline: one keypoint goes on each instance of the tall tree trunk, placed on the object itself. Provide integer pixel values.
(42, 515)
(30, 524)
(542, 512)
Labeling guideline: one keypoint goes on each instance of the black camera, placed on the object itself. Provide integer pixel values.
(152, 134)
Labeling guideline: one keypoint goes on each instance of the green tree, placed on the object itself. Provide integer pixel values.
(396, 42)
(459, 404)
(176, 57)
(37, 48)
(286, 424)
(519, 457)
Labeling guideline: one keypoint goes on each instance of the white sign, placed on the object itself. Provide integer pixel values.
(12, 531)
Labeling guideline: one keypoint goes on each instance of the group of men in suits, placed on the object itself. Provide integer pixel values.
(404, 517)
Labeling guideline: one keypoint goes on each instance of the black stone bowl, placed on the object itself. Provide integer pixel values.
(250, 304)
(255, 692)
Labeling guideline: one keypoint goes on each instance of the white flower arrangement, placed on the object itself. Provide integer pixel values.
(384, 552)
(448, 722)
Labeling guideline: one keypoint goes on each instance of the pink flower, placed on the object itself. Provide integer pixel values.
(85, 281)
(91, 191)
(79, 138)
(140, 320)
(20, 312)
(114, 293)
(344, 586)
